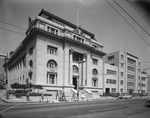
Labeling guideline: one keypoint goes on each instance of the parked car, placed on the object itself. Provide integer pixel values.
(124, 97)
(147, 102)
(120, 97)
(127, 96)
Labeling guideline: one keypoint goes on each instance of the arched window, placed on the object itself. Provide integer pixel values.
(75, 69)
(51, 64)
(31, 64)
(52, 75)
(95, 72)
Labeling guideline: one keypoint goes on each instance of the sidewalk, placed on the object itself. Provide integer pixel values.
(48, 99)
(13, 99)
(10, 100)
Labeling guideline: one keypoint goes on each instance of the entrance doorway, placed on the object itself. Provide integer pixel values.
(107, 91)
(130, 91)
(75, 82)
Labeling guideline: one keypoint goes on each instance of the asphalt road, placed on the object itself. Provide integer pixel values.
(130, 108)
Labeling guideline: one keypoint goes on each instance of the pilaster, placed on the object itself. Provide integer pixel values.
(70, 66)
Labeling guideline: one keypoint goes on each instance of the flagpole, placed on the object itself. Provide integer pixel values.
(77, 18)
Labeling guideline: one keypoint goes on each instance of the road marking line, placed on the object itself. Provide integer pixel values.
(112, 108)
(94, 110)
(10, 108)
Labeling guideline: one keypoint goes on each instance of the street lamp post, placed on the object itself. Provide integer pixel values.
(78, 79)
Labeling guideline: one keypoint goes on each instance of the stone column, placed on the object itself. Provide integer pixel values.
(70, 65)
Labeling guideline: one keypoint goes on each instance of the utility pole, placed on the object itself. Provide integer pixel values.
(6, 76)
(78, 79)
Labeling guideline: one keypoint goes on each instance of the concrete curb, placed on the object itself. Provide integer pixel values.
(56, 101)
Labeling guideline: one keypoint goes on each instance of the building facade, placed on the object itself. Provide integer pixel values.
(57, 55)
(129, 71)
(110, 79)
(148, 87)
(143, 82)
(2, 71)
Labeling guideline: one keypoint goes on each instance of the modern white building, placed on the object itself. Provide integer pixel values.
(129, 71)
(143, 82)
(59, 56)
(111, 80)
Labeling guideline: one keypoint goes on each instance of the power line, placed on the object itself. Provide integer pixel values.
(12, 31)
(129, 23)
(131, 17)
(138, 12)
(12, 25)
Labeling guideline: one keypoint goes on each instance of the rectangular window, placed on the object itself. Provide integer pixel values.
(51, 78)
(122, 74)
(121, 90)
(130, 76)
(139, 78)
(113, 90)
(111, 81)
(110, 58)
(95, 61)
(111, 72)
(143, 78)
(122, 57)
(51, 50)
(122, 65)
(131, 68)
(131, 61)
(130, 84)
(143, 91)
(121, 82)
(139, 84)
(139, 70)
(143, 85)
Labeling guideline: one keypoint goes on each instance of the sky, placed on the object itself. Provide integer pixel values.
(96, 16)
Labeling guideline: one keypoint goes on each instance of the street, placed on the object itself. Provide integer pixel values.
(128, 108)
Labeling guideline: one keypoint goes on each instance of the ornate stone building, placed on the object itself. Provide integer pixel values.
(2, 71)
(59, 56)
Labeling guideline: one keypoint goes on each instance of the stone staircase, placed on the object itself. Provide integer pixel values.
(87, 93)
(82, 93)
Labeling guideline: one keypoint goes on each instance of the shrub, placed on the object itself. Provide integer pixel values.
(39, 94)
(114, 94)
(139, 94)
(19, 93)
